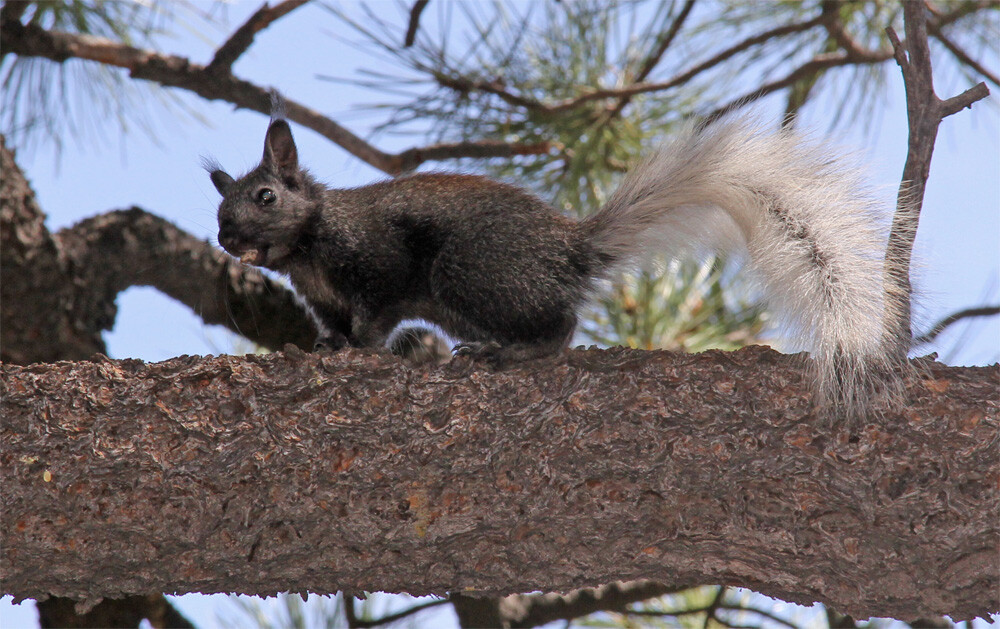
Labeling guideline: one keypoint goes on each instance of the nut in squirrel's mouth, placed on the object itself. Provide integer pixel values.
(251, 256)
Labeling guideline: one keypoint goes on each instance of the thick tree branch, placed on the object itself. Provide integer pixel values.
(115, 251)
(47, 314)
(353, 472)
(924, 112)
(38, 320)
(213, 84)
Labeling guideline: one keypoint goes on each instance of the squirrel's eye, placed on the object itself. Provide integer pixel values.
(266, 196)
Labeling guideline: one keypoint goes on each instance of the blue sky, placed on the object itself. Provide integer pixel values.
(958, 245)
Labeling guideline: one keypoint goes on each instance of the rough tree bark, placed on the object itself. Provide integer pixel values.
(354, 472)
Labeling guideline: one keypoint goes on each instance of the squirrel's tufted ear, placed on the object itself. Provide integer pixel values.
(222, 181)
(280, 153)
(219, 177)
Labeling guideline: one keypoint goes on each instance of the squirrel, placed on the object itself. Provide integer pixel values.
(502, 271)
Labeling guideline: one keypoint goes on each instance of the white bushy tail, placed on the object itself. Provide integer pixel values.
(810, 227)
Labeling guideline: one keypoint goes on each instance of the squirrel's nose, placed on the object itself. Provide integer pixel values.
(227, 235)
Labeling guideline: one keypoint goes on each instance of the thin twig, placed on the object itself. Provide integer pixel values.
(684, 77)
(360, 623)
(496, 87)
(940, 326)
(653, 59)
(668, 37)
(349, 614)
(765, 614)
(243, 37)
(532, 610)
(714, 605)
(411, 29)
(810, 68)
(962, 56)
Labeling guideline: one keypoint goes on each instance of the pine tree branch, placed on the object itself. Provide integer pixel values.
(115, 251)
(497, 87)
(811, 68)
(654, 58)
(963, 57)
(644, 88)
(174, 71)
(852, 54)
(353, 472)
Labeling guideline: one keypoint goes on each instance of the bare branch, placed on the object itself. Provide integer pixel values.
(240, 41)
(964, 100)
(411, 29)
(924, 113)
(114, 251)
(940, 326)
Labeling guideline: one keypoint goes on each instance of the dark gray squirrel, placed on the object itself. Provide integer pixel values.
(504, 272)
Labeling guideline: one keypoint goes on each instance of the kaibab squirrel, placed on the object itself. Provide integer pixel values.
(504, 272)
